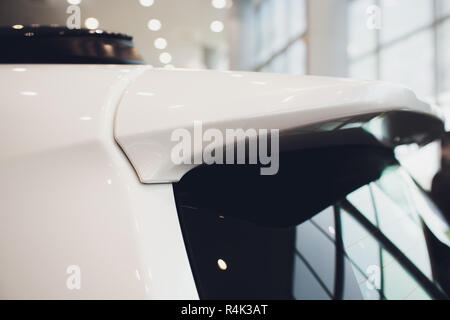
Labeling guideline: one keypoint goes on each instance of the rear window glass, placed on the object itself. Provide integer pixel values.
(335, 223)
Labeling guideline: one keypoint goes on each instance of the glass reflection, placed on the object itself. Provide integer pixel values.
(380, 247)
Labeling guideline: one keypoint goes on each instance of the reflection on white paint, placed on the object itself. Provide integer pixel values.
(146, 94)
(259, 83)
(28, 93)
(287, 99)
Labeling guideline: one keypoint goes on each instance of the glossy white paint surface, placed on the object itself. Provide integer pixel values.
(69, 196)
(160, 101)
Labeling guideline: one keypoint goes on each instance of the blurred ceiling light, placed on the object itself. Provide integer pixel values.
(146, 3)
(17, 26)
(216, 26)
(165, 57)
(219, 4)
(160, 43)
(91, 23)
(75, 2)
(154, 24)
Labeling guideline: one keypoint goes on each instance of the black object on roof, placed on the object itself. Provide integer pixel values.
(47, 44)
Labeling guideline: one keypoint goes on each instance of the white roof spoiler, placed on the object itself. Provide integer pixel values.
(161, 101)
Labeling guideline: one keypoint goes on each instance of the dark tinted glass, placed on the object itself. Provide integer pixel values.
(335, 223)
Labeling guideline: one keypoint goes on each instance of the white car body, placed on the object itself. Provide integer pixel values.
(86, 176)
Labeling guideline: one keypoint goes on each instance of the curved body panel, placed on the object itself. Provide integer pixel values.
(69, 197)
(81, 150)
(161, 101)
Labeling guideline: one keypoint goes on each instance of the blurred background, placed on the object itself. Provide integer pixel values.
(403, 41)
